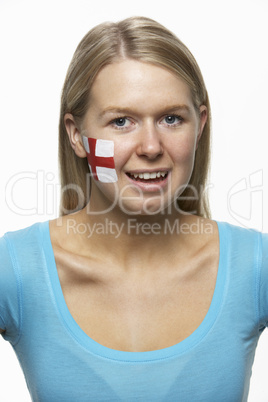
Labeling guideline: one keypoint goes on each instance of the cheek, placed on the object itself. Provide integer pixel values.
(123, 151)
(183, 151)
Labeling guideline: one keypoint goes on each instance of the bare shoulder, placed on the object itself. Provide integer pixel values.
(72, 263)
(62, 233)
(58, 231)
(201, 239)
(200, 230)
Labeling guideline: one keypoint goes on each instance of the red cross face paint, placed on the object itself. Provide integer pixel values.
(100, 157)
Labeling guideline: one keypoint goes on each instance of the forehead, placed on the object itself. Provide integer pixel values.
(134, 83)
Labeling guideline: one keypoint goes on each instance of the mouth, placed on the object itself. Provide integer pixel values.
(148, 177)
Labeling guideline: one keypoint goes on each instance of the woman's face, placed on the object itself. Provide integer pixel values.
(149, 115)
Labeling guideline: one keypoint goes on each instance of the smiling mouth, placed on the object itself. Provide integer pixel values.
(149, 177)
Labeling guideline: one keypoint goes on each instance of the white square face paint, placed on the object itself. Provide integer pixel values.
(106, 175)
(104, 148)
(100, 157)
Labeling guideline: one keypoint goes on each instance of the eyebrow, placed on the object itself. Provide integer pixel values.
(127, 111)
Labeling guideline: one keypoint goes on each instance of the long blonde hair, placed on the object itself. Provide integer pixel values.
(141, 39)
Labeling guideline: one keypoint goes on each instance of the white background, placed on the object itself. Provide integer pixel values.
(229, 40)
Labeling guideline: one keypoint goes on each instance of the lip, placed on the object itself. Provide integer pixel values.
(149, 187)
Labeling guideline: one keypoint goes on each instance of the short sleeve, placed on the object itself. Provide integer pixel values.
(264, 281)
(9, 293)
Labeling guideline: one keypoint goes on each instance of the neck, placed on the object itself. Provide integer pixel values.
(129, 240)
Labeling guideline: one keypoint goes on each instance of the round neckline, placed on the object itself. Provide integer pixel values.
(94, 347)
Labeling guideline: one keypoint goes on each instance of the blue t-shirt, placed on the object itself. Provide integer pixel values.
(61, 363)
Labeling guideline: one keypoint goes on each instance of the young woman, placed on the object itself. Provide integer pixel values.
(134, 293)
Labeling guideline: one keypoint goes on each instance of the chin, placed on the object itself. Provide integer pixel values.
(145, 209)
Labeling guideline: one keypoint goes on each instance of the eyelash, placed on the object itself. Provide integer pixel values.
(177, 117)
(125, 117)
(115, 120)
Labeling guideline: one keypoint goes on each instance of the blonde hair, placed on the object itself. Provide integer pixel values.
(141, 39)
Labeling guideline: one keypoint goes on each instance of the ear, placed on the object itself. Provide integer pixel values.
(202, 121)
(74, 135)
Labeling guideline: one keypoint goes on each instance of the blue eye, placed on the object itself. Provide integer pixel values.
(172, 119)
(120, 122)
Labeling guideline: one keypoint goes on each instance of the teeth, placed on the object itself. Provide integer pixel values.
(149, 176)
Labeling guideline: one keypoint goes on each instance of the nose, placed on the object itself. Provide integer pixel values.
(150, 144)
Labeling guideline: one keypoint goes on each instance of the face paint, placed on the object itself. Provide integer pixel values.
(100, 159)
